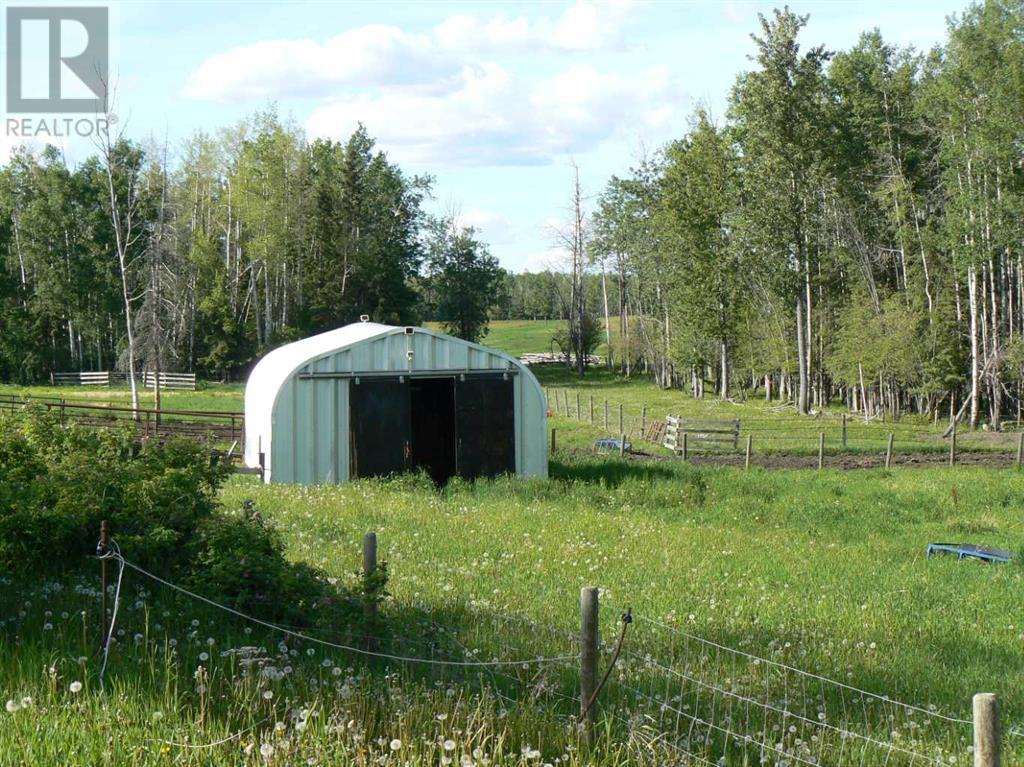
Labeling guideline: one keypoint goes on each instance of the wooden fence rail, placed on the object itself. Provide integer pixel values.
(221, 426)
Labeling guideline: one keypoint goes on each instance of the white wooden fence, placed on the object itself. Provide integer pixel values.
(106, 378)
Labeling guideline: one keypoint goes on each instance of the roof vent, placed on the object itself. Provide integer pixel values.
(364, 317)
(409, 330)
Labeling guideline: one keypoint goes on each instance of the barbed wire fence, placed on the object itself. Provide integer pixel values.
(851, 440)
(673, 695)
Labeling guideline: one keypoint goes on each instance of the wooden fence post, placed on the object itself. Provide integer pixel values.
(746, 459)
(103, 548)
(369, 568)
(620, 418)
(1020, 449)
(821, 450)
(643, 421)
(622, 443)
(952, 446)
(986, 730)
(845, 442)
(685, 447)
(577, 406)
(589, 640)
(888, 452)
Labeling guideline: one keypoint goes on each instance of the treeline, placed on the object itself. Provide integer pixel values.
(853, 229)
(245, 240)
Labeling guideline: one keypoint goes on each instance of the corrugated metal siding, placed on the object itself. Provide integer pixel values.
(310, 443)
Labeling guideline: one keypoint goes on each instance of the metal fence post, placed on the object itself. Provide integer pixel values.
(746, 459)
(986, 730)
(952, 446)
(589, 640)
(552, 439)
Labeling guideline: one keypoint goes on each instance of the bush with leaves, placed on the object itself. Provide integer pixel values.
(57, 483)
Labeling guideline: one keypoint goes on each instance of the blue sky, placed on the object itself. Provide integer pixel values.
(494, 99)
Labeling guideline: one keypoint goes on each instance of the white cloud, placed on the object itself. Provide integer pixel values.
(367, 55)
(550, 259)
(494, 118)
(382, 55)
(494, 227)
(586, 25)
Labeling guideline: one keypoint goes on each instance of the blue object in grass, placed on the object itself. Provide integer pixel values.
(970, 551)
(610, 443)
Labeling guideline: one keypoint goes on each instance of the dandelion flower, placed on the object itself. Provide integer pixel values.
(396, 744)
(267, 750)
(268, 694)
(26, 701)
(204, 656)
(12, 706)
(75, 687)
(449, 745)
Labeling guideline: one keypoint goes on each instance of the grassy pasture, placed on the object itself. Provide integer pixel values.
(822, 571)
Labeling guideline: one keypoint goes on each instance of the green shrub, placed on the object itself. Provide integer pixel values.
(241, 558)
(57, 483)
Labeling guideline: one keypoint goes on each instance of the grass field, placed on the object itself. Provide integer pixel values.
(823, 572)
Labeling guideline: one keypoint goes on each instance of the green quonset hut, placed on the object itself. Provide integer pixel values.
(371, 400)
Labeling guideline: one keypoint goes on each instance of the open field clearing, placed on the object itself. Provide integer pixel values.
(518, 337)
(817, 572)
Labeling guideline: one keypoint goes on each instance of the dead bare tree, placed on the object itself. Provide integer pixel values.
(124, 183)
(573, 239)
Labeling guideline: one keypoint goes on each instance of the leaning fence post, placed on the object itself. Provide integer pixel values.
(986, 730)
(746, 459)
(370, 604)
(102, 550)
(888, 451)
(821, 450)
(589, 640)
